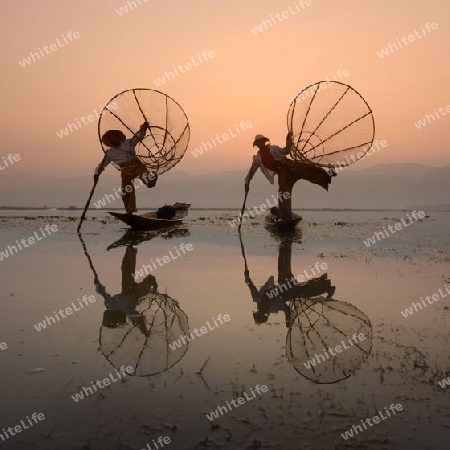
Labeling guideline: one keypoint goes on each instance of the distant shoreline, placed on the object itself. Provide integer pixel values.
(429, 208)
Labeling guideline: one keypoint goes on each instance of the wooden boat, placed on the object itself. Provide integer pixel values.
(150, 220)
(272, 222)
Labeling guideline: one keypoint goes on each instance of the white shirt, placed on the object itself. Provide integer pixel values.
(277, 152)
(125, 152)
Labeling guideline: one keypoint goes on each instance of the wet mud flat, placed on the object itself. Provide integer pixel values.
(267, 342)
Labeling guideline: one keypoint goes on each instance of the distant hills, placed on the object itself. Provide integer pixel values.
(389, 186)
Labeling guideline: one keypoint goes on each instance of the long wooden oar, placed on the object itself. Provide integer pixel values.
(243, 208)
(87, 204)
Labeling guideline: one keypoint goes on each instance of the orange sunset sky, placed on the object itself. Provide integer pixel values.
(250, 78)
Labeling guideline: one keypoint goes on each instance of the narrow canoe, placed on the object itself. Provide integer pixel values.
(150, 220)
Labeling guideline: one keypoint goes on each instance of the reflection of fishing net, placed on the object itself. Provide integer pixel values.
(142, 341)
(318, 324)
(166, 139)
(331, 124)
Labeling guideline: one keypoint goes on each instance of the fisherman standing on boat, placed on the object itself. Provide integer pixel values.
(272, 160)
(122, 151)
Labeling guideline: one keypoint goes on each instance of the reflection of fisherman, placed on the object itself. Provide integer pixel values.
(272, 299)
(124, 305)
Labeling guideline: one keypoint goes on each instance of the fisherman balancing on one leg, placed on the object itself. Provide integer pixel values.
(272, 160)
(122, 151)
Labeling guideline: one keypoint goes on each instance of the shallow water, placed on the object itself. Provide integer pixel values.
(132, 322)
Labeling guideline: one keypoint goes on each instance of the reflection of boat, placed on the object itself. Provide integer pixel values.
(151, 221)
(273, 222)
(136, 237)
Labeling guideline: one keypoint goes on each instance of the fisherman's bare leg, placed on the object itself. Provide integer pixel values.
(129, 198)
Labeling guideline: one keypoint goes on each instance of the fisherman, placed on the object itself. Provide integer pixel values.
(122, 151)
(272, 160)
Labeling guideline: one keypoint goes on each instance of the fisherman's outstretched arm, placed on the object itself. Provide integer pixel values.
(279, 152)
(140, 134)
(101, 167)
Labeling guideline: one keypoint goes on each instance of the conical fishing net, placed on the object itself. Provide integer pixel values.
(318, 324)
(142, 341)
(331, 123)
(167, 138)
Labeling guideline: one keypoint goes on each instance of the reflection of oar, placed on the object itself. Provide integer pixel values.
(88, 256)
(243, 252)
